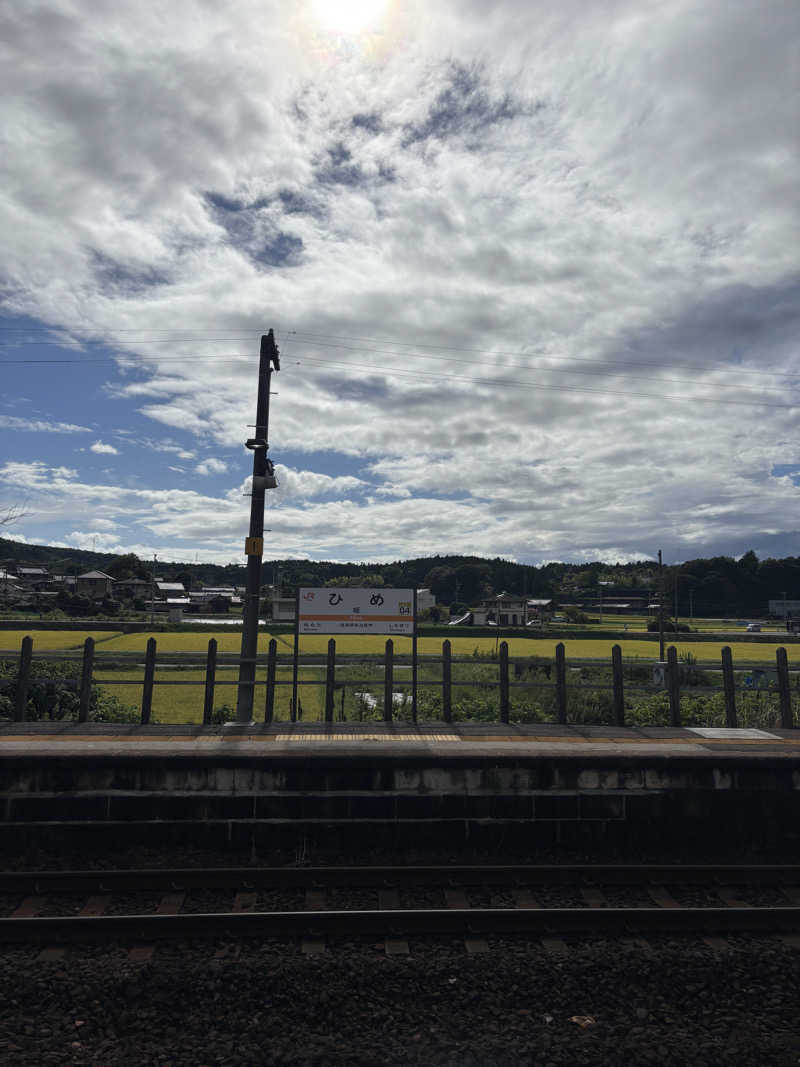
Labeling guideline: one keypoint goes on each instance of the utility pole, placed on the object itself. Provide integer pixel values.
(263, 479)
(660, 609)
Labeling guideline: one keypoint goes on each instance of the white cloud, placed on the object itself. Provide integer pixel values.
(545, 293)
(12, 422)
(95, 542)
(103, 449)
(211, 466)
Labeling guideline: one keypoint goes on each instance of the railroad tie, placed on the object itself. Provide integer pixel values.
(792, 894)
(524, 898)
(95, 905)
(29, 908)
(457, 899)
(728, 897)
(316, 900)
(170, 904)
(389, 900)
(665, 899)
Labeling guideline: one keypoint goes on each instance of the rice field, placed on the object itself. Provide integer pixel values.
(184, 703)
(179, 703)
(360, 644)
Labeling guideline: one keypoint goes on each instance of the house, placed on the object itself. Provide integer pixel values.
(95, 585)
(33, 577)
(165, 590)
(134, 587)
(511, 609)
(9, 586)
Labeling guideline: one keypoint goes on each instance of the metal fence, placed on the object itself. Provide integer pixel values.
(508, 673)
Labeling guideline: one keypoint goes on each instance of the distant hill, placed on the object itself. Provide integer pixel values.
(721, 585)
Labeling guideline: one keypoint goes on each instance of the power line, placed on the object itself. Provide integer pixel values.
(225, 357)
(556, 388)
(333, 342)
(540, 370)
(389, 371)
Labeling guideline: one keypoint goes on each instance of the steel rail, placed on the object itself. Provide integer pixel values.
(396, 923)
(154, 879)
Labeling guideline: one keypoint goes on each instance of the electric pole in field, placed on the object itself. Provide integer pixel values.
(263, 479)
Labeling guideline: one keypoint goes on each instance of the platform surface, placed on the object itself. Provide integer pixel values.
(370, 740)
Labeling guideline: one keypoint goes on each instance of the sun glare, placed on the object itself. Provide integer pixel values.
(347, 16)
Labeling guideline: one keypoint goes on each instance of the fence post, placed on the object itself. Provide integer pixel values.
(85, 694)
(272, 655)
(149, 675)
(619, 693)
(787, 718)
(504, 702)
(23, 679)
(211, 677)
(330, 680)
(673, 686)
(388, 680)
(447, 701)
(561, 683)
(729, 687)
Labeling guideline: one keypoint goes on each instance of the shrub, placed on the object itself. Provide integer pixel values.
(53, 693)
(670, 627)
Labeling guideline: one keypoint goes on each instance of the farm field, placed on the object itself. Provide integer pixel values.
(184, 703)
(352, 644)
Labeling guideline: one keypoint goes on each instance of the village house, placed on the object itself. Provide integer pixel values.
(95, 585)
(510, 609)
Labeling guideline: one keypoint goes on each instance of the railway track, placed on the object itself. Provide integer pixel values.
(524, 902)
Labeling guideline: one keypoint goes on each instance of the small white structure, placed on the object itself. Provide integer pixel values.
(284, 608)
(425, 600)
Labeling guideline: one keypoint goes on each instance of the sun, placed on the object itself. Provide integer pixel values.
(347, 16)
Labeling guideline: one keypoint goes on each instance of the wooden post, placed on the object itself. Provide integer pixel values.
(561, 683)
(447, 700)
(729, 687)
(619, 692)
(86, 680)
(272, 655)
(295, 656)
(211, 677)
(673, 686)
(414, 661)
(388, 680)
(330, 680)
(149, 676)
(23, 679)
(787, 718)
(503, 665)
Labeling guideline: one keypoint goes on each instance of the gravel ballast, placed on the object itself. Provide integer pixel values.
(606, 1002)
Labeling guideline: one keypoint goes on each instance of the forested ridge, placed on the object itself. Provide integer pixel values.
(719, 585)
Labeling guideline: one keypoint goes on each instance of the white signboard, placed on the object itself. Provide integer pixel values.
(356, 611)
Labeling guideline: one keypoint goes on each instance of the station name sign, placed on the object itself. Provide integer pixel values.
(355, 611)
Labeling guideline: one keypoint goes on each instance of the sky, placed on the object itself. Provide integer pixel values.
(533, 269)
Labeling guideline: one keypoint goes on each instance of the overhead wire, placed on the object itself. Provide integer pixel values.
(237, 356)
(334, 341)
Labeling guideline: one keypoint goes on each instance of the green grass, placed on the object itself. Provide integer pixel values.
(184, 703)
